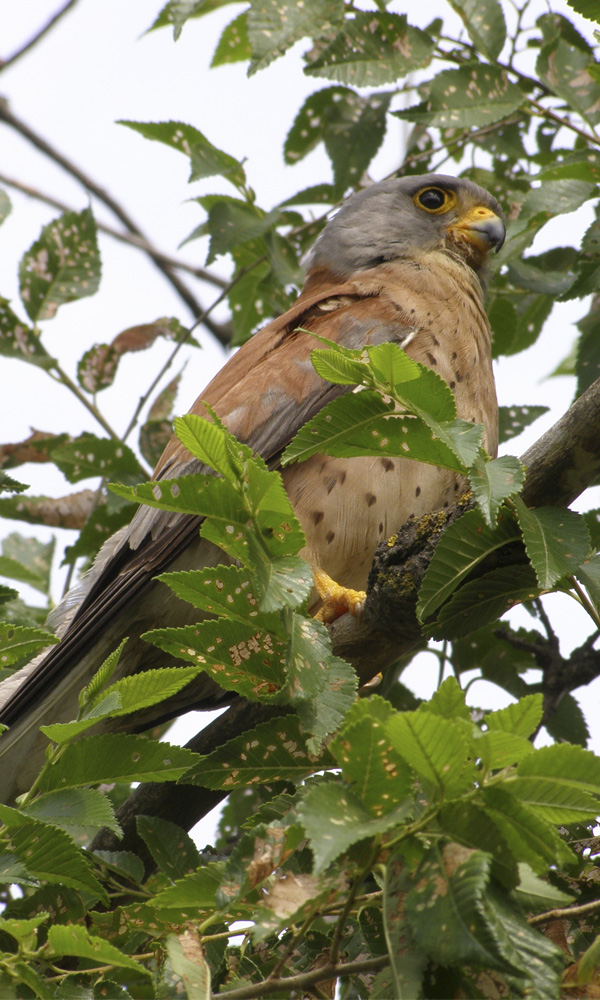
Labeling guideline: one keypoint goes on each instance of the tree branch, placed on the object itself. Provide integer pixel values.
(4, 63)
(560, 465)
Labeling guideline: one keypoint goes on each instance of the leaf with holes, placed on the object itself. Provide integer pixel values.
(17, 340)
(374, 47)
(88, 456)
(225, 591)
(205, 159)
(470, 97)
(379, 775)
(63, 265)
(484, 20)
(274, 26)
(276, 750)
(512, 420)
(28, 560)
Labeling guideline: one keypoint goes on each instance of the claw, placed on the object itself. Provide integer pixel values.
(336, 600)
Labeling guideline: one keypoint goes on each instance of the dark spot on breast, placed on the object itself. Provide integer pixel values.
(342, 478)
(318, 516)
(456, 487)
(454, 354)
(387, 464)
(330, 482)
(447, 503)
(452, 384)
(418, 491)
(458, 376)
(330, 536)
(431, 358)
(381, 527)
(371, 498)
(435, 340)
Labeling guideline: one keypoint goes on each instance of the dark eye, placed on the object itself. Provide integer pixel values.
(432, 199)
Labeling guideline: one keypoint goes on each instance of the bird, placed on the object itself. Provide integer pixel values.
(404, 260)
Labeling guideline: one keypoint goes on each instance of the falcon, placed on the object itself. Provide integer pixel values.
(404, 261)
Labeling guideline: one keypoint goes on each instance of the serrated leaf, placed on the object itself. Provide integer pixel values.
(520, 719)
(17, 340)
(480, 602)
(530, 837)
(449, 701)
(556, 541)
(240, 657)
(535, 894)
(377, 773)
(124, 863)
(75, 940)
(233, 45)
(373, 48)
(565, 69)
(557, 801)
(469, 97)
(116, 757)
(284, 582)
(273, 27)
(334, 819)
(512, 420)
(29, 557)
(19, 642)
(274, 751)
(435, 748)
(130, 694)
(63, 265)
(225, 591)
(89, 456)
(467, 823)
(484, 20)
(498, 749)
(493, 482)
(187, 959)
(171, 847)
(407, 961)
(462, 547)
(197, 891)
(71, 808)
(205, 159)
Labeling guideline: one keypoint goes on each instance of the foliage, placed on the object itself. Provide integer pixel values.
(395, 847)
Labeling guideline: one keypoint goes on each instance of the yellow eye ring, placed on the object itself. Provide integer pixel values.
(435, 200)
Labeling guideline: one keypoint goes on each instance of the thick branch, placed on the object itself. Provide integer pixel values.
(564, 462)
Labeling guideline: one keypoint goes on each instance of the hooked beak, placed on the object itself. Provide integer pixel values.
(480, 227)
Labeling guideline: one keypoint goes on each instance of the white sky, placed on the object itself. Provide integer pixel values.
(98, 66)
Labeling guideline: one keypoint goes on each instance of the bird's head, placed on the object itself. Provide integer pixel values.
(408, 217)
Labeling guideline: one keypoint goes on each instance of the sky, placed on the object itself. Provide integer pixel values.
(100, 65)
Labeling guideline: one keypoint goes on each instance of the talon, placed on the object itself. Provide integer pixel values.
(337, 600)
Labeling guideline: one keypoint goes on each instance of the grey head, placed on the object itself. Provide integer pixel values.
(407, 217)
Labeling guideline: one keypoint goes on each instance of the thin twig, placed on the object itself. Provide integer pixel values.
(104, 196)
(566, 912)
(304, 979)
(4, 63)
(129, 238)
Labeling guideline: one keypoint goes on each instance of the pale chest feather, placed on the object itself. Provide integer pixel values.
(347, 506)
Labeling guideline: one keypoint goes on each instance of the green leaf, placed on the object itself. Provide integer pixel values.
(492, 482)
(565, 69)
(373, 48)
(232, 223)
(19, 642)
(483, 600)
(530, 837)
(284, 582)
(378, 774)
(462, 547)
(520, 719)
(240, 657)
(469, 97)
(186, 956)
(435, 748)
(407, 961)
(117, 757)
(205, 159)
(130, 694)
(274, 751)
(28, 560)
(587, 8)
(274, 27)
(197, 891)
(334, 819)
(49, 854)
(535, 894)
(467, 823)
(5, 206)
(233, 45)
(63, 265)
(75, 940)
(19, 341)
(512, 420)
(89, 456)
(484, 20)
(557, 801)
(556, 541)
(171, 847)
(498, 749)
(70, 809)
(351, 127)
(225, 591)
(444, 908)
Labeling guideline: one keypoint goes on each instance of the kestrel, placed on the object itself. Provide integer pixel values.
(403, 261)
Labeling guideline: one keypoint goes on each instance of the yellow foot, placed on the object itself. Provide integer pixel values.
(336, 600)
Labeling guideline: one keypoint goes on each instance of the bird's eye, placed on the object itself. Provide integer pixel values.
(433, 199)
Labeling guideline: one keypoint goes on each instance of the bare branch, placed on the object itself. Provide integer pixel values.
(5, 63)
